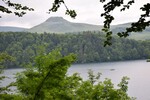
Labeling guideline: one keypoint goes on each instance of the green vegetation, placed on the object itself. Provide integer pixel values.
(17, 9)
(60, 25)
(46, 79)
(138, 26)
(88, 46)
(4, 58)
(52, 23)
(109, 7)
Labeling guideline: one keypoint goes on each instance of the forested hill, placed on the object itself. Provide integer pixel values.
(60, 25)
(88, 46)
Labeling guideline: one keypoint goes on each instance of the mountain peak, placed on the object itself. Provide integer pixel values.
(61, 25)
(56, 19)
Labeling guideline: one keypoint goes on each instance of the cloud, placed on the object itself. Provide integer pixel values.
(88, 12)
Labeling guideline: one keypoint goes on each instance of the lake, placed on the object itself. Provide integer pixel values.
(138, 71)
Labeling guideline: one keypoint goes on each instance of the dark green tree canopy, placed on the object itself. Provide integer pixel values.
(109, 6)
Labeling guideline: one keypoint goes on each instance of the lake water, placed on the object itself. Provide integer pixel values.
(138, 71)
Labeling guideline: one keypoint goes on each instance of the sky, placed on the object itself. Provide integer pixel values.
(88, 11)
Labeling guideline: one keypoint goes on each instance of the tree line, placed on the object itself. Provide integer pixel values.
(88, 46)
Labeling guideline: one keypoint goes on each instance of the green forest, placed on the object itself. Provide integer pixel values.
(87, 45)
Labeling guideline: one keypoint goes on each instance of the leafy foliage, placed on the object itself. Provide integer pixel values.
(88, 46)
(138, 26)
(16, 8)
(110, 6)
(46, 79)
(56, 5)
(4, 57)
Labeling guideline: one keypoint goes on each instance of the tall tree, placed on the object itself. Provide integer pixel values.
(46, 79)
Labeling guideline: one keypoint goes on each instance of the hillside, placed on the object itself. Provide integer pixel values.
(60, 25)
(11, 29)
(88, 47)
(145, 35)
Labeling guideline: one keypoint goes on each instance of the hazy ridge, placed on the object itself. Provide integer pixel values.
(61, 25)
(11, 29)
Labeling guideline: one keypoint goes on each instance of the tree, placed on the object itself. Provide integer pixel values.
(110, 6)
(46, 79)
(43, 79)
(138, 26)
(88, 46)
(15, 8)
(4, 57)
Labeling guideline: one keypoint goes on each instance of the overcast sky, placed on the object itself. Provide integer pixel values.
(88, 11)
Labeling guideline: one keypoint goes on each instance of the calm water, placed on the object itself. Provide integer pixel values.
(138, 71)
